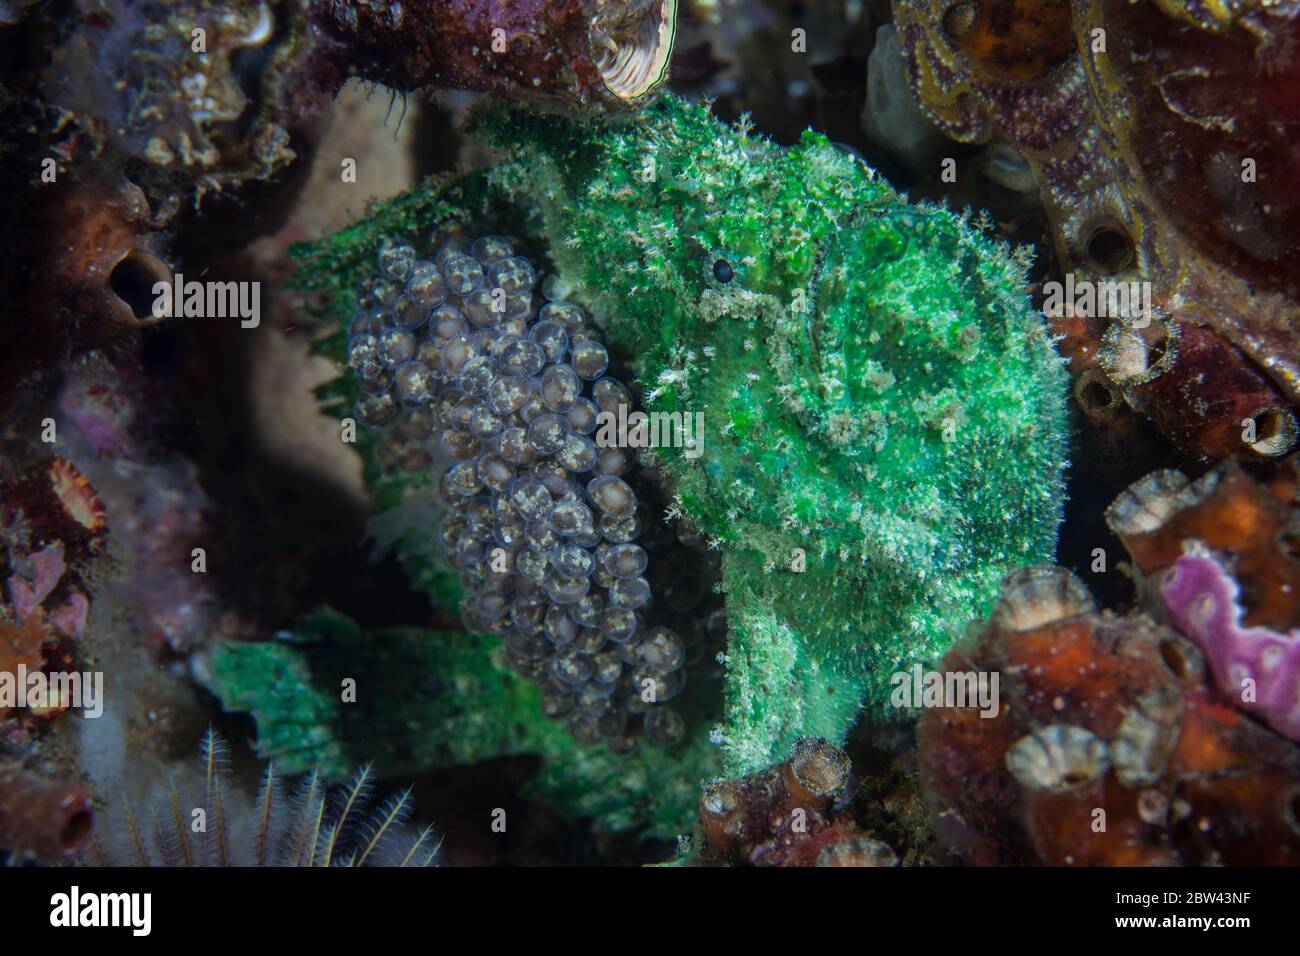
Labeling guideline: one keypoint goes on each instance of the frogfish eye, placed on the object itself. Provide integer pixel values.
(722, 271)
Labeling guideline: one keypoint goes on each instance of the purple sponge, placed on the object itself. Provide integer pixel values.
(1202, 600)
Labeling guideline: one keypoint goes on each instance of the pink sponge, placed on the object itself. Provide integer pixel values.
(1257, 668)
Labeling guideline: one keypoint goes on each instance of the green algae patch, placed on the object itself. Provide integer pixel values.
(429, 699)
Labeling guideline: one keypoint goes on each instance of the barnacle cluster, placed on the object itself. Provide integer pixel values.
(499, 389)
(201, 96)
(1162, 159)
(787, 815)
(1112, 747)
(1219, 553)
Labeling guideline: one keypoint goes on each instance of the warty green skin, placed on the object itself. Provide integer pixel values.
(906, 430)
(877, 391)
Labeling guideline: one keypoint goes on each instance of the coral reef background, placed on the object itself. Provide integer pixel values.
(178, 509)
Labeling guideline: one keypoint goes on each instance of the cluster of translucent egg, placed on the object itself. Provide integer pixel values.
(541, 523)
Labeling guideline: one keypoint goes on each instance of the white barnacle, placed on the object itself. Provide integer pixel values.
(1058, 758)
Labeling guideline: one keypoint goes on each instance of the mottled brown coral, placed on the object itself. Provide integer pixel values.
(1227, 510)
(49, 820)
(21, 643)
(785, 816)
(1109, 749)
(579, 52)
(82, 277)
(1165, 143)
(136, 115)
